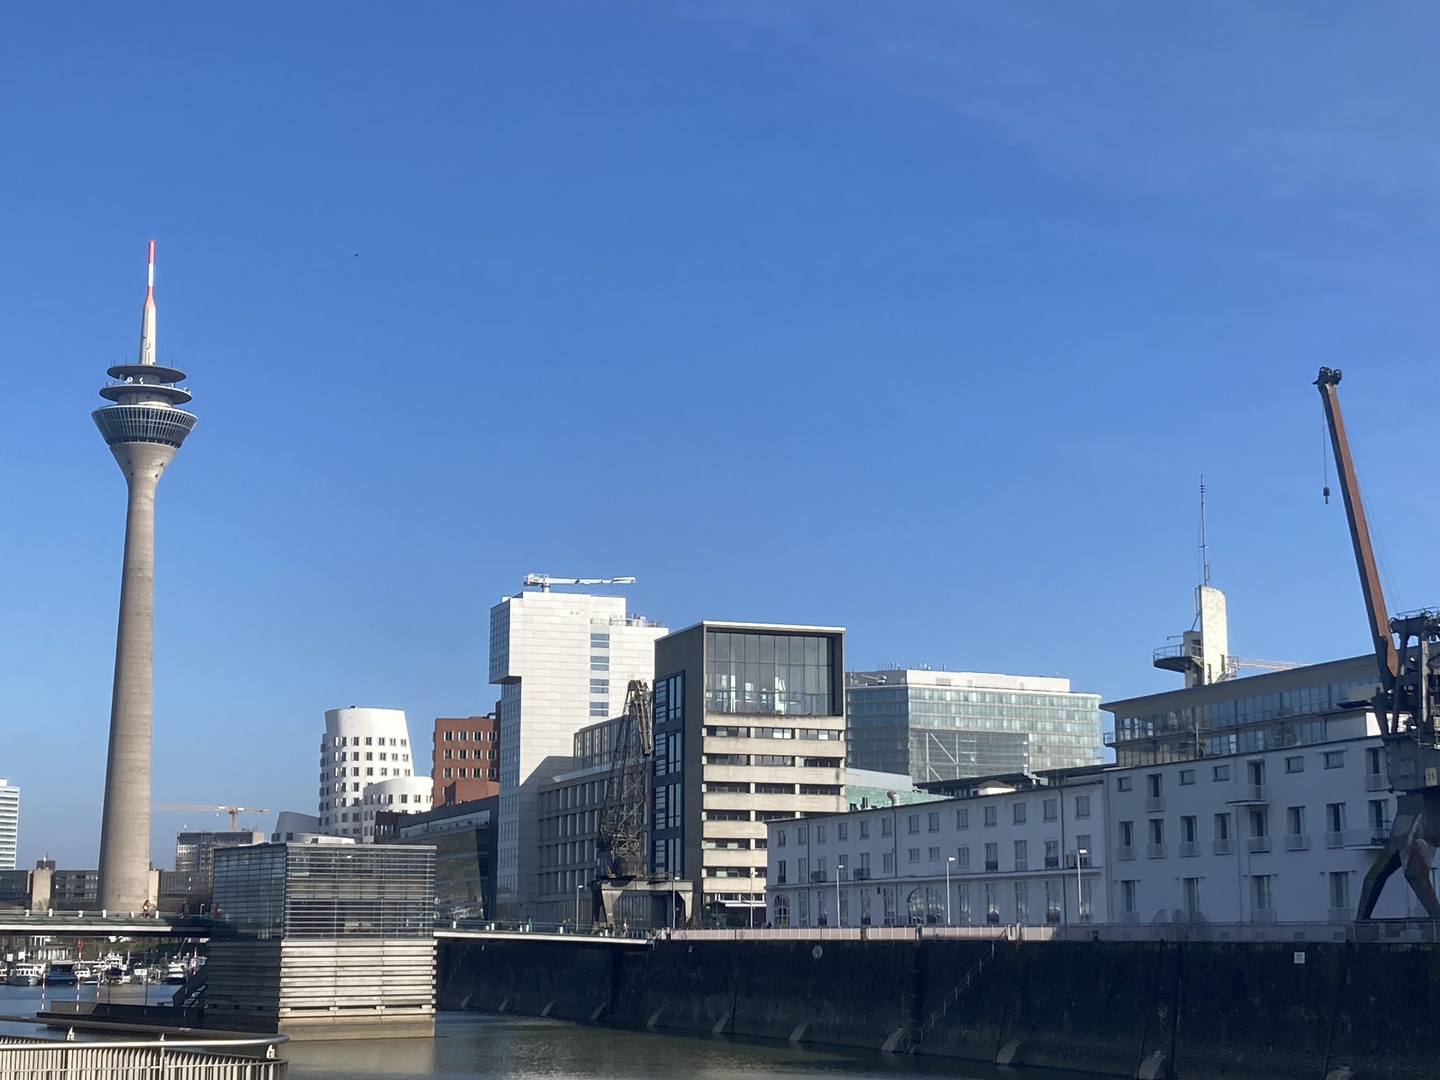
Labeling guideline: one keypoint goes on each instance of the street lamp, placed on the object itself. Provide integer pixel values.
(948, 861)
(1080, 854)
(578, 889)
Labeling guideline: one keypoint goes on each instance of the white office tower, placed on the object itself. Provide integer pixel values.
(360, 747)
(563, 660)
(403, 795)
(9, 824)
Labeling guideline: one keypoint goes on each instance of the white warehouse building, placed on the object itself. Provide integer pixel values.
(360, 747)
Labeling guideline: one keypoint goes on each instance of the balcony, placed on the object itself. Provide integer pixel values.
(1155, 804)
(1181, 658)
(1189, 849)
(1257, 844)
(860, 873)
(992, 865)
(1084, 862)
(817, 877)
(1124, 854)
(1252, 795)
(1052, 862)
(1222, 847)
(1297, 842)
(1377, 782)
(1155, 851)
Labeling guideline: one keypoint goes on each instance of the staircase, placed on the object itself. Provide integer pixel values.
(908, 1040)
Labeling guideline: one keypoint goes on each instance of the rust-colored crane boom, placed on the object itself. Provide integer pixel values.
(1386, 656)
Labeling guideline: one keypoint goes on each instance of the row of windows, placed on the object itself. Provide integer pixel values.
(927, 904)
(731, 787)
(475, 774)
(369, 771)
(1304, 701)
(1254, 771)
(462, 754)
(1262, 893)
(355, 741)
(773, 760)
(958, 863)
(371, 755)
(730, 732)
(1336, 822)
(477, 736)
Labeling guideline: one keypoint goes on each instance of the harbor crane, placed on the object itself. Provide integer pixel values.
(544, 581)
(1404, 704)
(233, 811)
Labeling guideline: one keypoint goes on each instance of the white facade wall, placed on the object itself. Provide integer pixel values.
(1013, 852)
(403, 795)
(563, 660)
(359, 748)
(9, 824)
(1289, 873)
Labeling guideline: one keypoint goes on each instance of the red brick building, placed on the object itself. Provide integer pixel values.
(465, 759)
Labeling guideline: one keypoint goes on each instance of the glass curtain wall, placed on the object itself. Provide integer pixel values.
(789, 674)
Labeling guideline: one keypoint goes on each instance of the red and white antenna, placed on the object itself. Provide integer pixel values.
(147, 318)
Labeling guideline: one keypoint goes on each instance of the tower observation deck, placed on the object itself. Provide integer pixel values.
(143, 428)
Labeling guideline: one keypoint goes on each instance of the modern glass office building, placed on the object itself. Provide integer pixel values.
(948, 725)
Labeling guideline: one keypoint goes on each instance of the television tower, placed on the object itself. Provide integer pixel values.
(143, 429)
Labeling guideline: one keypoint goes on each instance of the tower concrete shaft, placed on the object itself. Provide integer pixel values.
(143, 429)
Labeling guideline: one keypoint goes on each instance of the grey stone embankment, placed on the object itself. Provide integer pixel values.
(1188, 1010)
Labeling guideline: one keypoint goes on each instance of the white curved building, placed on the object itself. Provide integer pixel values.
(361, 747)
(407, 795)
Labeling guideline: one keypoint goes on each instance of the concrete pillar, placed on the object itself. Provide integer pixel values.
(125, 829)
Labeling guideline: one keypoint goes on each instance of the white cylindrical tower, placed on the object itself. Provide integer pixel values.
(143, 428)
(403, 795)
(360, 747)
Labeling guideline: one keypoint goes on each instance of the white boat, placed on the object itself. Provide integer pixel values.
(26, 975)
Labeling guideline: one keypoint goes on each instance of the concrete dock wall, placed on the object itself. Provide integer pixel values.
(1190, 1010)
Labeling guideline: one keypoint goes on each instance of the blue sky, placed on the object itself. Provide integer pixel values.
(922, 319)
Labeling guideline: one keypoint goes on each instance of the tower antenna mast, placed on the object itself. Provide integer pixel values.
(1204, 544)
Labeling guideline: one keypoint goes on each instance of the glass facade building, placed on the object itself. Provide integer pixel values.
(765, 673)
(326, 891)
(953, 725)
(1298, 707)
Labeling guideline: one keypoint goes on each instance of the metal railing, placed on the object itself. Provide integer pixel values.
(163, 1059)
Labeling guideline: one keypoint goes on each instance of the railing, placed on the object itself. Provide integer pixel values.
(1376, 782)
(1189, 849)
(1155, 804)
(1334, 839)
(1052, 862)
(991, 866)
(1297, 842)
(1155, 851)
(1188, 651)
(172, 1059)
(1257, 844)
(1124, 854)
(1222, 847)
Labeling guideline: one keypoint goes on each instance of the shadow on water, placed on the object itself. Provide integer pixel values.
(470, 1045)
(479, 1046)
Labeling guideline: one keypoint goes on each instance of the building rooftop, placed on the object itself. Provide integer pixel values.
(977, 680)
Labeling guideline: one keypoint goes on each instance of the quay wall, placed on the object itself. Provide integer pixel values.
(1148, 1009)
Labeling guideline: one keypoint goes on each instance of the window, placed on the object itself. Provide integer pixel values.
(1017, 813)
(1372, 761)
(932, 822)
(599, 640)
(773, 760)
(1259, 823)
(914, 854)
(447, 755)
(962, 858)
(728, 732)
(774, 789)
(1157, 831)
(728, 788)
(802, 869)
(599, 662)
(934, 854)
(1340, 890)
(912, 823)
(865, 862)
(1295, 764)
(1377, 814)
(1187, 777)
(1262, 895)
(762, 673)
(820, 831)
(1192, 896)
(992, 903)
(447, 774)
(780, 872)
(1127, 834)
(1052, 854)
(1189, 829)
(1050, 809)
(802, 834)
(449, 736)
(1128, 891)
(1022, 858)
(773, 732)
(887, 861)
(887, 826)
(1022, 901)
(992, 817)
(992, 857)
(865, 830)
(779, 833)
(1295, 820)
(730, 759)
(1222, 826)
(1257, 772)
(1220, 773)
(1335, 759)
(1335, 817)
(962, 818)
(1153, 781)
(1122, 783)
(842, 832)
(1082, 806)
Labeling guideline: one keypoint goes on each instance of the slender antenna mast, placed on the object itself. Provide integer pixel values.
(147, 316)
(1204, 544)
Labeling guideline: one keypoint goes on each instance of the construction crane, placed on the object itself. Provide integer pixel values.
(1233, 664)
(620, 845)
(233, 811)
(1405, 701)
(544, 581)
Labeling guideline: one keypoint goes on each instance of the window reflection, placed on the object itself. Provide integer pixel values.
(769, 673)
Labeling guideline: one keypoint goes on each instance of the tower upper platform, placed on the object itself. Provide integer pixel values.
(144, 393)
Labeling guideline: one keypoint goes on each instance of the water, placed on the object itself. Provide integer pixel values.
(475, 1046)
